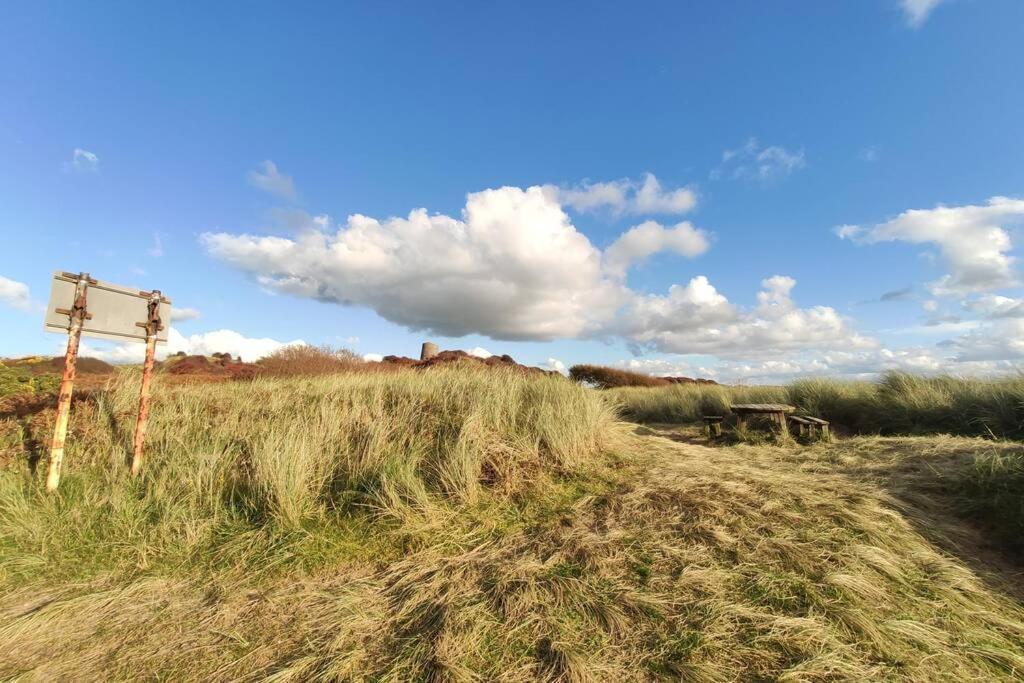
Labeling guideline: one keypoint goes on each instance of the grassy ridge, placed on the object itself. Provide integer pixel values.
(228, 458)
(462, 525)
(898, 403)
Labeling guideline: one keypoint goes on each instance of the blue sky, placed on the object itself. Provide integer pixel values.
(742, 190)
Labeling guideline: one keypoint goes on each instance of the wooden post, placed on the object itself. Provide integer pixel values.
(76, 316)
(783, 428)
(152, 326)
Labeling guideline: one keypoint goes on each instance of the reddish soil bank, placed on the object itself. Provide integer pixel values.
(448, 357)
(202, 366)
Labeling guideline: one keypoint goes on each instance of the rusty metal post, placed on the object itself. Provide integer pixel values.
(152, 325)
(76, 316)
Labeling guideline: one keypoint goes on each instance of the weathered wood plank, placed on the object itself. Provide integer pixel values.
(761, 408)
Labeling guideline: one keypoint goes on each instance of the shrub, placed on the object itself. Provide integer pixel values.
(607, 378)
(292, 361)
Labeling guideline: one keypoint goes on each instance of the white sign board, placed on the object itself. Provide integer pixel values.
(114, 311)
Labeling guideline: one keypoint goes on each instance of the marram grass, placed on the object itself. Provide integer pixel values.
(477, 526)
(898, 403)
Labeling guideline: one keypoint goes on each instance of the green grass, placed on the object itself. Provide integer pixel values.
(19, 380)
(898, 403)
(460, 525)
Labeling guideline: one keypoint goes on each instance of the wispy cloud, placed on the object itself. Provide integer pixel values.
(269, 179)
(82, 161)
(869, 155)
(897, 294)
(917, 11)
(157, 250)
(646, 196)
(15, 294)
(753, 161)
(183, 314)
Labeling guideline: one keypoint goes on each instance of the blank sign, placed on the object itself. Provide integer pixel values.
(115, 310)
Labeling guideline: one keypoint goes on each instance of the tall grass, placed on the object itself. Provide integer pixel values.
(687, 402)
(898, 403)
(275, 455)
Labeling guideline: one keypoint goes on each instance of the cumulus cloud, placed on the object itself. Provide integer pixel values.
(512, 267)
(218, 341)
(698, 319)
(373, 357)
(82, 161)
(650, 237)
(917, 11)
(626, 196)
(183, 314)
(754, 162)
(972, 240)
(15, 294)
(269, 179)
(480, 352)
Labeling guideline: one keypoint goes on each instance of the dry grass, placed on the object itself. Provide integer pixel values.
(462, 526)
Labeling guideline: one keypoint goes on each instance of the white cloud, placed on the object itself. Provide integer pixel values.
(626, 196)
(698, 319)
(157, 250)
(218, 341)
(480, 352)
(82, 161)
(1003, 340)
(270, 179)
(373, 357)
(15, 294)
(917, 11)
(556, 365)
(754, 162)
(931, 305)
(666, 367)
(513, 267)
(648, 238)
(835, 362)
(995, 306)
(183, 314)
(971, 239)
(868, 155)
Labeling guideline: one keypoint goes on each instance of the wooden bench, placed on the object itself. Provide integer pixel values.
(810, 426)
(713, 425)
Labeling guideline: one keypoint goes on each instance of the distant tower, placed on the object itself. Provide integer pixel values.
(428, 351)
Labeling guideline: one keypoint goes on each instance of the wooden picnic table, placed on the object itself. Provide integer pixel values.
(776, 413)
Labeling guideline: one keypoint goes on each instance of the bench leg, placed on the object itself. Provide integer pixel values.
(717, 429)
